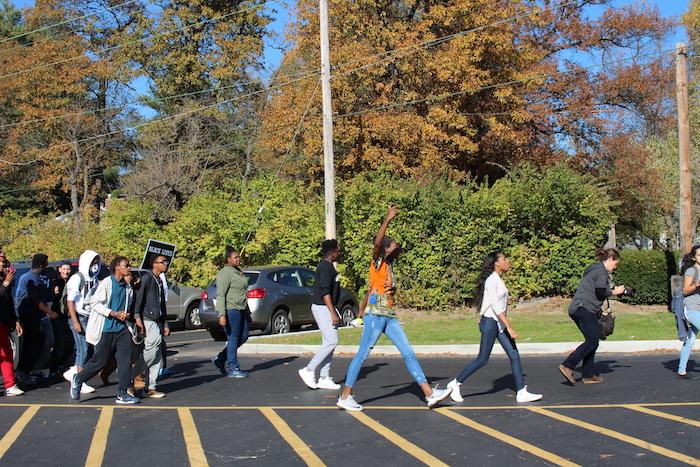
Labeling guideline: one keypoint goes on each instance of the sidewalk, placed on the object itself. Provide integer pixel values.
(552, 348)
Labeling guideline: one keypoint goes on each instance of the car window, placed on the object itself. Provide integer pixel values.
(307, 277)
(289, 278)
(252, 277)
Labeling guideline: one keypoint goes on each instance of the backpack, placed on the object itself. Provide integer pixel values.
(83, 290)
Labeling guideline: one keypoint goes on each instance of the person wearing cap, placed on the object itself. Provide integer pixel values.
(380, 318)
(326, 292)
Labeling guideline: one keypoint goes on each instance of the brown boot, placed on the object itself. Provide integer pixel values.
(593, 380)
(568, 374)
(139, 382)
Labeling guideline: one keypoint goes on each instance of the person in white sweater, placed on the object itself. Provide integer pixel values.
(491, 298)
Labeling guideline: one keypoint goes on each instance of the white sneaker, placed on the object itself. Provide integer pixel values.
(68, 374)
(13, 391)
(327, 383)
(437, 396)
(455, 387)
(349, 404)
(308, 377)
(525, 396)
(86, 389)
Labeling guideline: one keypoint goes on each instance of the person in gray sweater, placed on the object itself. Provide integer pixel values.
(594, 289)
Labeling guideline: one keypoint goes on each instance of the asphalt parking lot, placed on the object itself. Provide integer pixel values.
(640, 415)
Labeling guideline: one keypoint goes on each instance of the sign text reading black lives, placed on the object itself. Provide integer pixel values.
(156, 248)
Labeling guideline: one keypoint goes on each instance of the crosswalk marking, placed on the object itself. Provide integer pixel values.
(619, 436)
(520, 444)
(195, 452)
(401, 442)
(98, 446)
(665, 415)
(16, 429)
(299, 446)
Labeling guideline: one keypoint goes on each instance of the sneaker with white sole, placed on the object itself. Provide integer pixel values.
(308, 377)
(437, 396)
(524, 396)
(13, 391)
(86, 389)
(456, 390)
(75, 387)
(327, 383)
(349, 404)
(68, 374)
(126, 398)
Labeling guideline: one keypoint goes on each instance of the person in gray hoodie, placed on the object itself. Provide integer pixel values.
(79, 288)
(594, 289)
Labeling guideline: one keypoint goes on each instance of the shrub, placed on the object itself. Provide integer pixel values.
(648, 271)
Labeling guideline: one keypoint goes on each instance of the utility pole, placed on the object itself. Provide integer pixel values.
(685, 218)
(328, 165)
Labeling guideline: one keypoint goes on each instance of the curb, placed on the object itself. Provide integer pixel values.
(551, 348)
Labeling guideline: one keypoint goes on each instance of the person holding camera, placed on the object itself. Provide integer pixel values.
(690, 269)
(584, 310)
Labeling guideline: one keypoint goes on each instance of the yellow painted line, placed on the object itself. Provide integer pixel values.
(619, 436)
(299, 446)
(195, 452)
(98, 446)
(17, 428)
(401, 442)
(665, 415)
(333, 407)
(518, 443)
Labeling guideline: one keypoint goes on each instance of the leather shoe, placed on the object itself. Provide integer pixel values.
(593, 380)
(568, 374)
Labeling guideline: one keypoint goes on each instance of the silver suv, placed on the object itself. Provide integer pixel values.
(279, 300)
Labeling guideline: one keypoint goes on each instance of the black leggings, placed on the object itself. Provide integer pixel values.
(587, 322)
(111, 344)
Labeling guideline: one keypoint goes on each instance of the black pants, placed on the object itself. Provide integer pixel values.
(587, 322)
(63, 343)
(111, 344)
(31, 343)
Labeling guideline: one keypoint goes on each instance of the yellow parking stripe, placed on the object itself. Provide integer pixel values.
(520, 444)
(401, 442)
(195, 452)
(619, 436)
(665, 415)
(299, 446)
(99, 438)
(16, 429)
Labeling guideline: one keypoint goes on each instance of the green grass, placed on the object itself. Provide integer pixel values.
(530, 327)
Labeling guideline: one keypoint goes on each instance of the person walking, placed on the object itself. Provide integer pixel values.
(63, 338)
(690, 269)
(79, 290)
(491, 298)
(8, 324)
(326, 292)
(231, 306)
(149, 305)
(585, 308)
(380, 318)
(107, 331)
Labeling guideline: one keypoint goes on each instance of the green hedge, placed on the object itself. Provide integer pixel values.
(648, 271)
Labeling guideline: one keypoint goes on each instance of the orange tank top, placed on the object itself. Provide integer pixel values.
(381, 280)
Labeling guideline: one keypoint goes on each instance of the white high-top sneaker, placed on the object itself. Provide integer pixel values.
(456, 388)
(525, 396)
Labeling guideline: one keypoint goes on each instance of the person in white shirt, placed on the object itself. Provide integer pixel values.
(491, 298)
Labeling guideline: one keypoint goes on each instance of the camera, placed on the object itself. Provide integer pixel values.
(629, 291)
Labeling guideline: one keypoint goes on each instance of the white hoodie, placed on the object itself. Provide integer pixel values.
(73, 291)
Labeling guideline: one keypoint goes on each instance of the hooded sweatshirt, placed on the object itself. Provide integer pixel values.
(593, 290)
(74, 292)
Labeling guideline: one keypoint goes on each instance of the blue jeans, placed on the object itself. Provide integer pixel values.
(237, 332)
(489, 334)
(693, 317)
(374, 327)
(81, 345)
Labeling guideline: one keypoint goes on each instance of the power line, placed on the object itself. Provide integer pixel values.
(67, 21)
(136, 41)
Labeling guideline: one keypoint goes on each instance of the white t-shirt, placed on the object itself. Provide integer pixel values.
(495, 299)
(75, 294)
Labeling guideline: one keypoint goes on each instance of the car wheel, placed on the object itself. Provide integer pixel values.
(280, 324)
(347, 314)
(218, 335)
(192, 319)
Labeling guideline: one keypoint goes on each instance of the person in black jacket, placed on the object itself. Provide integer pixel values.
(149, 304)
(594, 289)
(8, 323)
